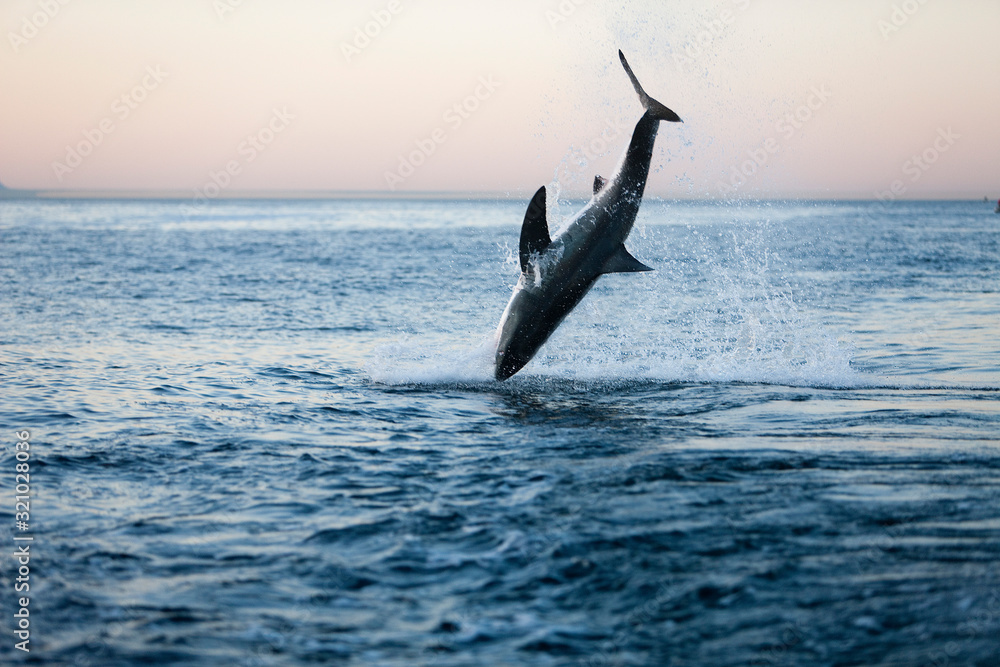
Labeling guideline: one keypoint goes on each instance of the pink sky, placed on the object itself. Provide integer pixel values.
(779, 98)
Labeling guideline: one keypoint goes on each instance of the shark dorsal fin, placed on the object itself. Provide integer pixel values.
(535, 230)
(623, 262)
(599, 183)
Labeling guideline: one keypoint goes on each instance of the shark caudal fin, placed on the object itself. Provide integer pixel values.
(652, 107)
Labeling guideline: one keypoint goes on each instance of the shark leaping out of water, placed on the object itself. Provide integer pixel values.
(557, 272)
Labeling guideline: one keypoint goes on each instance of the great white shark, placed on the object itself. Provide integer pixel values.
(556, 273)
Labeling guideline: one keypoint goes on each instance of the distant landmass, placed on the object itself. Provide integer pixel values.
(7, 193)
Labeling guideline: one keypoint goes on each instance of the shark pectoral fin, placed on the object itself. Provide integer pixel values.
(535, 230)
(623, 262)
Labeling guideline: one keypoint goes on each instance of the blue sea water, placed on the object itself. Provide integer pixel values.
(267, 434)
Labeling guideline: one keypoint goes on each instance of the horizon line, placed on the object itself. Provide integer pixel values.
(429, 195)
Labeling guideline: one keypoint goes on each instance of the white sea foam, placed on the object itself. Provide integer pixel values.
(750, 352)
(735, 297)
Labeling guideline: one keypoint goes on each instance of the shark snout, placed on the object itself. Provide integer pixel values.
(512, 358)
(517, 336)
(509, 358)
(508, 364)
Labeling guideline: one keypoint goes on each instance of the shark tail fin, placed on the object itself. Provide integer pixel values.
(652, 107)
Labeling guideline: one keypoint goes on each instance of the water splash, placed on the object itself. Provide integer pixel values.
(724, 305)
(416, 360)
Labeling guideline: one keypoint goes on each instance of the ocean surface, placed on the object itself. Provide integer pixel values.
(266, 433)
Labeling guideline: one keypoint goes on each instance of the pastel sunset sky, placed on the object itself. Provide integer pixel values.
(844, 98)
